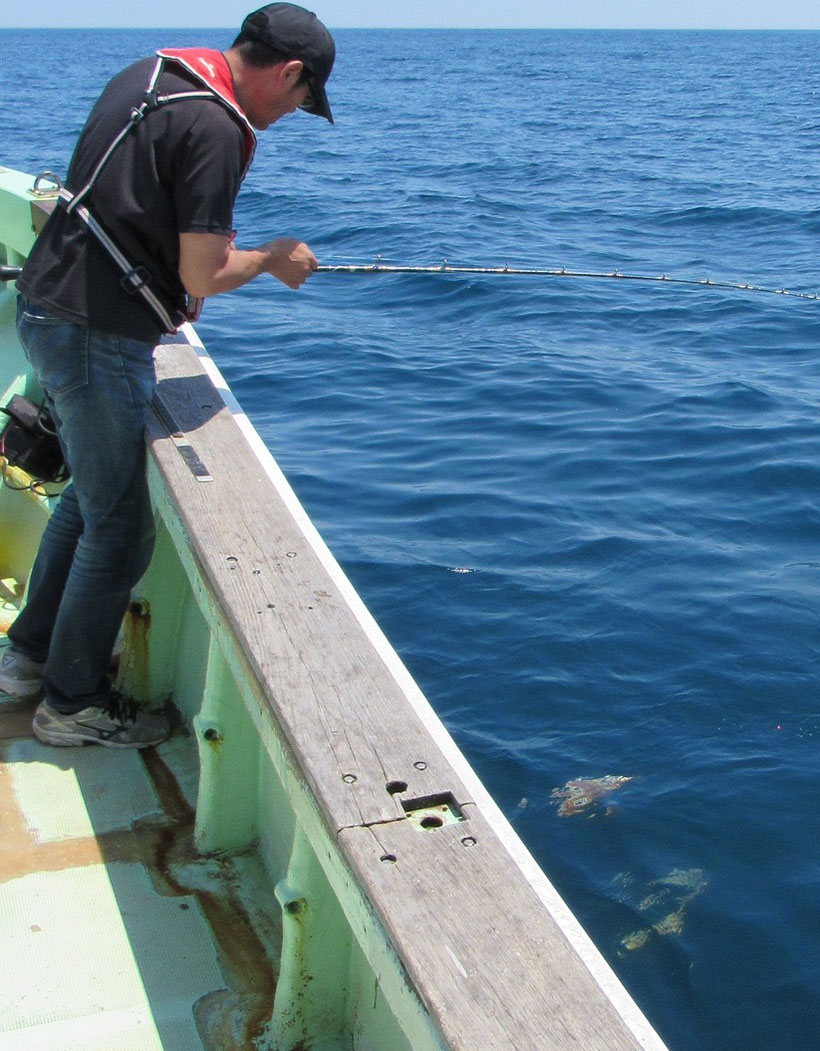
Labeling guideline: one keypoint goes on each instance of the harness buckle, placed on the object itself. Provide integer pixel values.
(150, 102)
(136, 278)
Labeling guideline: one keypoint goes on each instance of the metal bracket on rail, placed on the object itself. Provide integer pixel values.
(178, 437)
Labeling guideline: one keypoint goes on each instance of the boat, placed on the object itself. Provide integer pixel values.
(309, 862)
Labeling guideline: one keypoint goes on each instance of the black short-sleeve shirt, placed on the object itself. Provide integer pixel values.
(178, 171)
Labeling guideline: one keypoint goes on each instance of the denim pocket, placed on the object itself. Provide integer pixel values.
(57, 350)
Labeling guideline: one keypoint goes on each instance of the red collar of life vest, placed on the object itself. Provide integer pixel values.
(211, 68)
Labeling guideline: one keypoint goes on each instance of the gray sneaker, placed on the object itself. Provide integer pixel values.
(20, 676)
(117, 724)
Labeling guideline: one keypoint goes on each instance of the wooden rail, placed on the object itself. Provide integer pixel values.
(405, 834)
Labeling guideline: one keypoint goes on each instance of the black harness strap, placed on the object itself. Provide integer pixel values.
(135, 279)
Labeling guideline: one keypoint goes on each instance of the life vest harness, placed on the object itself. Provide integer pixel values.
(136, 279)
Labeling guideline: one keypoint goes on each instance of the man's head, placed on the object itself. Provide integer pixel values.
(296, 48)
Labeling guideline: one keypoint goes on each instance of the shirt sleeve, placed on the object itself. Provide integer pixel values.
(209, 165)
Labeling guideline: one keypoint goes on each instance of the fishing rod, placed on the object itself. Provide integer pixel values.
(510, 271)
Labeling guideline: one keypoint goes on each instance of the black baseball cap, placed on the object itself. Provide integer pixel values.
(298, 34)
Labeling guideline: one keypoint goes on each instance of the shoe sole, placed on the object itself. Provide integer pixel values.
(66, 740)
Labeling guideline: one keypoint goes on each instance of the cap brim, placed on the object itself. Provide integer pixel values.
(317, 102)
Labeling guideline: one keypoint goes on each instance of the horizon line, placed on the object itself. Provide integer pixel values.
(459, 28)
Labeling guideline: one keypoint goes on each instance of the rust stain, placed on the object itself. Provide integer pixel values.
(22, 859)
(214, 739)
(135, 639)
(171, 797)
(243, 956)
(140, 614)
(22, 854)
(229, 1020)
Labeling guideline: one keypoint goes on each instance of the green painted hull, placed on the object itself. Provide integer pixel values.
(344, 879)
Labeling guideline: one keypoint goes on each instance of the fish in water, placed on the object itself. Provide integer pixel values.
(579, 795)
(664, 906)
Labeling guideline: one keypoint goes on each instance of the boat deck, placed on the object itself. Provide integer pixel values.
(118, 934)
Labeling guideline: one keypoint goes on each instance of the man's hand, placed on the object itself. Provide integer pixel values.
(292, 262)
(209, 263)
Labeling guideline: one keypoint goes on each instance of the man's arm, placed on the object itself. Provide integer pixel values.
(208, 263)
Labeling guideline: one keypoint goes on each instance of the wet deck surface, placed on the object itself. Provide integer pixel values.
(116, 934)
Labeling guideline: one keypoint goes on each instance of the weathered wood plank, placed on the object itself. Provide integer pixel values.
(491, 964)
(340, 706)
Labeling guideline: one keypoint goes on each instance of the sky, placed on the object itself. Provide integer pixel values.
(559, 14)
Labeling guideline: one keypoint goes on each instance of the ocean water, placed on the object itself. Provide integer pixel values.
(584, 511)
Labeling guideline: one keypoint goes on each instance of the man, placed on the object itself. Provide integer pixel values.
(142, 231)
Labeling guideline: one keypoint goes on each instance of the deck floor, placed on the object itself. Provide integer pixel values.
(116, 934)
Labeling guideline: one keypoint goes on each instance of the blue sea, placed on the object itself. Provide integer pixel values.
(585, 511)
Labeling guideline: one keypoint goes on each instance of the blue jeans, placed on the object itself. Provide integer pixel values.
(98, 542)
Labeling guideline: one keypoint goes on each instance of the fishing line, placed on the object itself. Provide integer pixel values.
(510, 271)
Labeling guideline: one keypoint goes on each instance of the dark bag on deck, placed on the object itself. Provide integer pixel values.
(29, 441)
